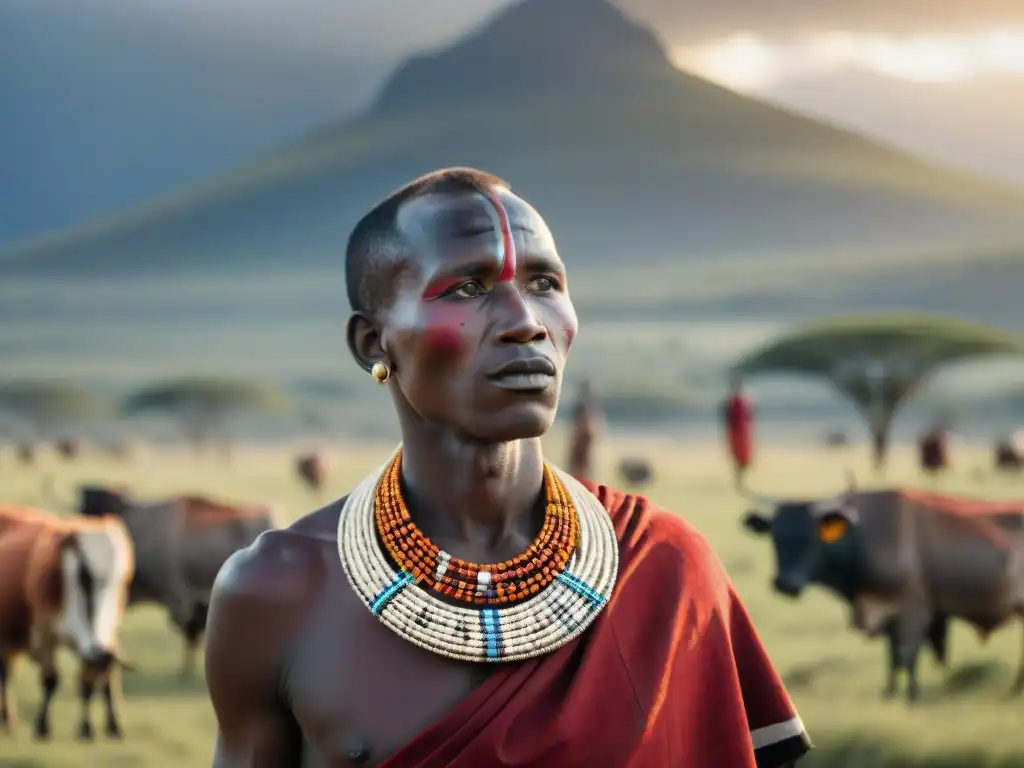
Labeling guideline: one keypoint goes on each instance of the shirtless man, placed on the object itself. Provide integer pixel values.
(637, 654)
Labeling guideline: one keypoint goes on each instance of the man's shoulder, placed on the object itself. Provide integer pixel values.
(321, 524)
(281, 563)
(637, 512)
(661, 538)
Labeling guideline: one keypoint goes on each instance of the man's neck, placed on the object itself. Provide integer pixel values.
(480, 492)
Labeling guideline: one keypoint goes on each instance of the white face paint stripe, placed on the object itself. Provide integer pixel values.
(502, 226)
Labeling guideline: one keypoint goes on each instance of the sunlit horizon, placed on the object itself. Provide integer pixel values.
(746, 61)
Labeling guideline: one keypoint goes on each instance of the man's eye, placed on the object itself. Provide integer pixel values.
(467, 290)
(542, 283)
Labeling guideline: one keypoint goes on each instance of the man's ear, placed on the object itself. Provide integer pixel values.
(364, 341)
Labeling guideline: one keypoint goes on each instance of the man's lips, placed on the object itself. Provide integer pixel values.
(527, 374)
(525, 366)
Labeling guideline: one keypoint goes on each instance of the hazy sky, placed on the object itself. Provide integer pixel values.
(129, 98)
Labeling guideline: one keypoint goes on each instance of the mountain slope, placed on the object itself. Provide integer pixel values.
(956, 121)
(581, 110)
(140, 102)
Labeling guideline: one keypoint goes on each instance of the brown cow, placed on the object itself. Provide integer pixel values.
(636, 472)
(63, 581)
(311, 468)
(904, 560)
(933, 448)
(1009, 454)
(181, 544)
(68, 449)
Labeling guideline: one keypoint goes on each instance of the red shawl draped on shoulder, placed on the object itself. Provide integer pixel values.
(671, 674)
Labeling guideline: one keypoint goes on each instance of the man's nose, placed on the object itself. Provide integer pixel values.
(519, 324)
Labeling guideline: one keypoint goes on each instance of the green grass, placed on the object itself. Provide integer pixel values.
(965, 717)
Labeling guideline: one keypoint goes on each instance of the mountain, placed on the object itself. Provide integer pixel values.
(580, 108)
(143, 99)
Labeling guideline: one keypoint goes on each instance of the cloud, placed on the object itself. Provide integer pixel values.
(752, 63)
(393, 28)
(687, 21)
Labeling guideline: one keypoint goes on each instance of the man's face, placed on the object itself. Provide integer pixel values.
(487, 290)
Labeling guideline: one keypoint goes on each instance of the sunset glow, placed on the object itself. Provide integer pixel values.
(747, 62)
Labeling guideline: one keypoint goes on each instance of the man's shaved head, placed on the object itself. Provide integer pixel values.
(455, 284)
(377, 252)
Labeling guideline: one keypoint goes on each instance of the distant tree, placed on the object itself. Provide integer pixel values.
(52, 405)
(878, 362)
(203, 406)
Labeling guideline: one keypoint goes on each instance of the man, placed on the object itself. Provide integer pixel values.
(738, 415)
(587, 421)
(605, 633)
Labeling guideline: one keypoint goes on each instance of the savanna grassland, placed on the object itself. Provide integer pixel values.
(965, 718)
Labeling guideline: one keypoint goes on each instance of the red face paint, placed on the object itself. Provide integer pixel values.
(442, 338)
(443, 330)
(445, 321)
(439, 287)
(507, 273)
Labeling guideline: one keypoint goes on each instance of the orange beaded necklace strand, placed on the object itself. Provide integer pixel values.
(468, 582)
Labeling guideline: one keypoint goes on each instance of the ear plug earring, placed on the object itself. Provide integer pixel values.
(380, 372)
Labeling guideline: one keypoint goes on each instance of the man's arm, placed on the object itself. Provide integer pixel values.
(257, 596)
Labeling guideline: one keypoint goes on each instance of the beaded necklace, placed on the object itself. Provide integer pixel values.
(491, 585)
(554, 592)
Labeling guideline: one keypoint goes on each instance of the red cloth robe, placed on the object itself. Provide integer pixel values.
(670, 675)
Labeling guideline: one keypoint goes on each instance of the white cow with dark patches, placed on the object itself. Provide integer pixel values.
(63, 582)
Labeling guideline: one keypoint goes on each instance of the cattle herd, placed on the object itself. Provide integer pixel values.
(934, 453)
(905, 562)
(66, 581)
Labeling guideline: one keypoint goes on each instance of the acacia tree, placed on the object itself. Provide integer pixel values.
(878, 362)
(48, 405)
(203, 406)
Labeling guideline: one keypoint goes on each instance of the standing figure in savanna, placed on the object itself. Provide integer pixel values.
(738, 419)
(469, 604)
(587, 425)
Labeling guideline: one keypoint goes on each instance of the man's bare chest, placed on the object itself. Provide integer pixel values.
(358, 691)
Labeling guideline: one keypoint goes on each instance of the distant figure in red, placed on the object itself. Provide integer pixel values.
(587, 421)
(738, 414)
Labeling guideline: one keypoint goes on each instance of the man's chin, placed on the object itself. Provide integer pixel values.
(519, 422)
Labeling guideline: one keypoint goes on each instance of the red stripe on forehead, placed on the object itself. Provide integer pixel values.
(507, 273)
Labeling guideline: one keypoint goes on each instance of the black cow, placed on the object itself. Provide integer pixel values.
(906, 562)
